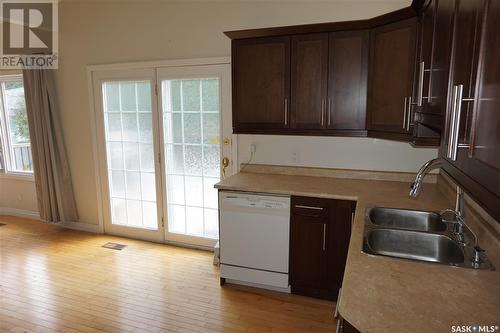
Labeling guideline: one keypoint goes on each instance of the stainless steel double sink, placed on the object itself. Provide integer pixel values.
(417, 235)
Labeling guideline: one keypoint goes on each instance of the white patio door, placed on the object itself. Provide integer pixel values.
(196, 125)
(128, 145)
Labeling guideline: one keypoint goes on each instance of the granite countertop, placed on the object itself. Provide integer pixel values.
(381, 294)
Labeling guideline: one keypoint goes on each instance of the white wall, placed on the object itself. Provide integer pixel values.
(97, 32)
(17, 193)
(336, 152)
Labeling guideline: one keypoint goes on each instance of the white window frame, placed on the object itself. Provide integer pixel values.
(5, 141)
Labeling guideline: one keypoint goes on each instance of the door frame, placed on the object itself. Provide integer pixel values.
(223, 73)
(92, 72)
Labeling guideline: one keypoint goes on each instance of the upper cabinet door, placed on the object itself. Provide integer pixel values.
(392, 67)
(463, 71)
(309, 81)
(486, 123)
(347, 80)
(439, 67)
(425, 54)
(261, 83)
(483, 156)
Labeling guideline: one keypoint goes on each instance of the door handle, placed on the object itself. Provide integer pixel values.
(308, 207)
(336, 314)
(451, 124)
(420, 87)
(323, 112)
(404, 112)
(408, 116)
(285, 111)
(225, 164)
(329, 111)
(340, 326)
(455, 122)
(324, 237)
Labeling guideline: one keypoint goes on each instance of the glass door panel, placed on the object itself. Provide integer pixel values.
(128, 128)
(191, 126)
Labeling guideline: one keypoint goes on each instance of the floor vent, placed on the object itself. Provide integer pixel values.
(114, 246)
(2, 224)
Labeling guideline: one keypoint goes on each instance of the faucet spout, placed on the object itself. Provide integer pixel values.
(428, 166)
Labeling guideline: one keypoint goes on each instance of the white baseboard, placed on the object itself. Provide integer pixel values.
(36, 216)
(19, 213)
(94, 228)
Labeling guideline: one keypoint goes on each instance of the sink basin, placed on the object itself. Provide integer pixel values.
(413, 245)
(406, 219)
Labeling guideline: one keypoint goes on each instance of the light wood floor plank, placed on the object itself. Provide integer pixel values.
(59, 280)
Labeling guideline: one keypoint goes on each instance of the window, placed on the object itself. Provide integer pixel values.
(192, 151)
(15, 154)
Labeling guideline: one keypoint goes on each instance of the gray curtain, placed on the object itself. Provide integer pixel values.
(56, 201)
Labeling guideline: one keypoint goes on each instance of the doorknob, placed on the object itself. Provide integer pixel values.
(225, 164)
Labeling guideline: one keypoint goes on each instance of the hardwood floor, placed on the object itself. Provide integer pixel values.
(59, 280)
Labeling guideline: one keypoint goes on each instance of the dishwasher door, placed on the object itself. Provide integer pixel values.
(254, 231)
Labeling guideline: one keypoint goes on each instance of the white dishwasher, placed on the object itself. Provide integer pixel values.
(254, 239)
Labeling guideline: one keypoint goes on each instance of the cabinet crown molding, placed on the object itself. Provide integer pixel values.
(408, 12)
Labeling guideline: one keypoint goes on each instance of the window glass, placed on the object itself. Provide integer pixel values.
(16, 143)
(191, 132)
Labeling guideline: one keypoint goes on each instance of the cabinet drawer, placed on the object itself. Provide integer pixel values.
(310, 207)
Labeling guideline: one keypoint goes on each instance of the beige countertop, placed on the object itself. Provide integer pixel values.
(381, 294)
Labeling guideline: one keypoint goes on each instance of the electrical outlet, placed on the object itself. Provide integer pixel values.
(253, 148)
(295, 156)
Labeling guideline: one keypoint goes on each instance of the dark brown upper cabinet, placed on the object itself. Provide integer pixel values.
(436, 28)
(309, 70)
(347, 81)
(352, 78)
(390, 90)
(472, 143)
(431, 79)
(261, 83)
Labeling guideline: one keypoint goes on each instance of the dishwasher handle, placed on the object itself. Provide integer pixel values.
(244, 201)
(308, 207)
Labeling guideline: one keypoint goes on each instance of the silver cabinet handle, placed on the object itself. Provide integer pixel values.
(420, 92)
(309, 207)
(451, 128)
(329, 111)
(323, 112)
(324, 236)
(455, 122)
(336, 314)
(404, 112)
(340, 326)
(408, 116)
(352, 218)
(286, 111)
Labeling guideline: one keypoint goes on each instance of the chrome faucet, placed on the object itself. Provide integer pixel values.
(428, 166)
(458, 222)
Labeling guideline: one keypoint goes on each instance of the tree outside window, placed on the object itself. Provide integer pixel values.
(16, 138)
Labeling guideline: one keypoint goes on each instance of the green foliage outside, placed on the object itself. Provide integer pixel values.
(17, 110)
